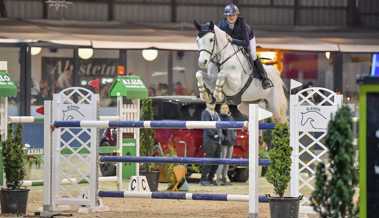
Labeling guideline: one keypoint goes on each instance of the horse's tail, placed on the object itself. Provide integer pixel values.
(280, 96)
(286, 91)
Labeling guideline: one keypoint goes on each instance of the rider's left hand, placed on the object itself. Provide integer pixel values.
(229, 38)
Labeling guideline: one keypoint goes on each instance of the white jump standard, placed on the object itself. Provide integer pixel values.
(82, 131)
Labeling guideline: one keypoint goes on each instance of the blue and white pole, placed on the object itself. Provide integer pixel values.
(161, 124)
(179, 196)
(181, 160)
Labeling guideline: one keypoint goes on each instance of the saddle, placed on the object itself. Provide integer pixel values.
(236, 99)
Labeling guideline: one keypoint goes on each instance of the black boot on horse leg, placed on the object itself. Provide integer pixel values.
(258, 67)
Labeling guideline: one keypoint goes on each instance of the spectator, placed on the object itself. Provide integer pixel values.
(162, 89)
(179, 89)
(65, 78)
(229, 139)
(43, 93)
(151, 91)
(211, 144)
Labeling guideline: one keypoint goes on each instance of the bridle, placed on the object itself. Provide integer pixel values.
(215, 57)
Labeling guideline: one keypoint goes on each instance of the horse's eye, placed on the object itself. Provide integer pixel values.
(211, 40)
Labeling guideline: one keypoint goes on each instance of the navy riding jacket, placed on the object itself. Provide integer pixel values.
(241, 33)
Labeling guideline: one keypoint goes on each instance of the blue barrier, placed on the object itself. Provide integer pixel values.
(179, 196)
(181, 160)
(161, 124)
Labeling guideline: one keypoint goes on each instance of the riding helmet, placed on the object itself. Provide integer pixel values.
(231, 9)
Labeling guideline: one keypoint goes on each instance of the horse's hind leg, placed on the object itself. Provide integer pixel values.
(204, 95)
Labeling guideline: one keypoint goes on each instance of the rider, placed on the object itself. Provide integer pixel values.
(242, 35)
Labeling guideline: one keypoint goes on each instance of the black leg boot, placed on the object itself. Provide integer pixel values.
(266, 82)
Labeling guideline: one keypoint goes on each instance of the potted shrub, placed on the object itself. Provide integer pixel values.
(336, 184)
(14, 198)
(278, 174)
(147, 144)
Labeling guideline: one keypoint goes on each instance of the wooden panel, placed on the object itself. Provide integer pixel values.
(24, 9)
(96, 11)
(142, 13)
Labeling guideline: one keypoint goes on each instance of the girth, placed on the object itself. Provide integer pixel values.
(236, 99)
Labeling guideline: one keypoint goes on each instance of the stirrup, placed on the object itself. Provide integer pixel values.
(266, 83)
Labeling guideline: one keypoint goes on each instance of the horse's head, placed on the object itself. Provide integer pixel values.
(206, 42)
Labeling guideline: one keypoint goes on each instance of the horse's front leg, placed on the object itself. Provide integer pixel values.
(204, 95)
(218, 94)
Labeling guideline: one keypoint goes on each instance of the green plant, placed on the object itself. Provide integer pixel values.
(266, 137)
(14, 158)
(34, 160)
(279, 170)
(147, 135)
(336, 183)
(263, 154)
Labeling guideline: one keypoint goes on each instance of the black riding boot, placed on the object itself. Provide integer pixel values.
(266, 82)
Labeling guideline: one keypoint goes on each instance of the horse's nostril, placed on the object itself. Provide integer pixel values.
(206, 61)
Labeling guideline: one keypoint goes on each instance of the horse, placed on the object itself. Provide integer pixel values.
(228, 75)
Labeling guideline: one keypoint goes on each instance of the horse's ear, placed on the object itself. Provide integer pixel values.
(211, 25)
(197, 25)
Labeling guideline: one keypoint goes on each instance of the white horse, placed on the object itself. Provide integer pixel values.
(228, 74)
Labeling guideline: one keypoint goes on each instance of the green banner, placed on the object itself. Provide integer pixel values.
(129, 86)
(7, 87)
(128, 149)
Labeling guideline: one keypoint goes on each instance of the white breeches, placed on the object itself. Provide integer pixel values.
(253, 48)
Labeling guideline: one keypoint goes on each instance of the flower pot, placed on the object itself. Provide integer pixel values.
(152, 178)
(14, 200)
(285, 207)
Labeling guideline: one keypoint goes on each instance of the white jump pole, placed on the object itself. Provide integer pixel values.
(255, 115)
(120, 105)
(47, 158)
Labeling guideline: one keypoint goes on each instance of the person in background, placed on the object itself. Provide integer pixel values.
(152, 91)
(162, 89)
(229, 139)
(211, 144)
(179, 88)
(43, 93)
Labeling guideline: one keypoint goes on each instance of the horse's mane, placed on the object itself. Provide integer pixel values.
(220, 34)
(218, 31)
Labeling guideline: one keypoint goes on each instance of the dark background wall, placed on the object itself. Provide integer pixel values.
(258, 12)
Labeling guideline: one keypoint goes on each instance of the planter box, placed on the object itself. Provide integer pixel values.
(14, 201)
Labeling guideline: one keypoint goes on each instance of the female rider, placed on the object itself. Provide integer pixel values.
(242, 35)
